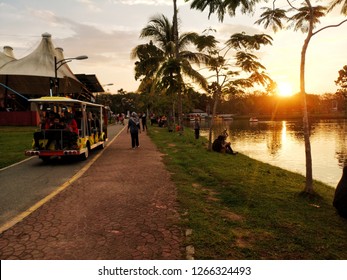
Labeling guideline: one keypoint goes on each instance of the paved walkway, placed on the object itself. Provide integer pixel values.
(123, 207)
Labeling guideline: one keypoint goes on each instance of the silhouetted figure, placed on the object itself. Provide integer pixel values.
(54, 133)
(219, 145)
(134, 127)
(144, 121)
(340, 198)
(196, 128)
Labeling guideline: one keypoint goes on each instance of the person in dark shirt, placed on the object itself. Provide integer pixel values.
(196, 128)
(144, 121)
(221, 146)
(54, 133)
(340, 197)
(134, 127)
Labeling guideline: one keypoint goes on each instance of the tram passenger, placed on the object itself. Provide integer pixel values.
(78, 119)
(55, 132)
(95, 127)
(39, 135)
(70, 135)
(71, 122)
(90, 122)
(104, 123)
(96, 123)
(46, 121)
(49, 119)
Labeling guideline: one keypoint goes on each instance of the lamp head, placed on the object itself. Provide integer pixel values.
(81, 57)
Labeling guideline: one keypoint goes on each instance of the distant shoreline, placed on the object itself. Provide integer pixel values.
(280, 117)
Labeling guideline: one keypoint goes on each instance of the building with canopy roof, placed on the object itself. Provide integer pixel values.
(34, 76)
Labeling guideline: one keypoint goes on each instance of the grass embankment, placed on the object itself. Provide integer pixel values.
(240, 208)
(13, 141)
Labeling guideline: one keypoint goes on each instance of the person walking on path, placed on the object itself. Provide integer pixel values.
(196, 128)
(134, 127)
(144, 121)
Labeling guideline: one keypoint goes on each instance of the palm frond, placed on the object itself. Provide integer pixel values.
(242, 40)
(272, 18)
(247, 62)
(335, 3)
(302, 19)
(206, 42)
(222, 7)
(190, 72)
(260, 78)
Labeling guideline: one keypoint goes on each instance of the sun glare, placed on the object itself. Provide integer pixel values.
(285, 89)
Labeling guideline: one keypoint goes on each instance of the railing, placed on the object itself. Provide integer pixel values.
(61, 138)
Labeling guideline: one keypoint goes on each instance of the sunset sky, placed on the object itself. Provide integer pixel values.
(107, 31)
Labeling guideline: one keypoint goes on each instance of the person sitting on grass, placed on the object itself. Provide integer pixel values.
(221, 146)
(340, 197)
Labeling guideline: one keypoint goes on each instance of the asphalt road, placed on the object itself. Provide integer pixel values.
(30, 181)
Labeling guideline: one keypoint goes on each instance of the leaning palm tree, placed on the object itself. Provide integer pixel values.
(158, 61)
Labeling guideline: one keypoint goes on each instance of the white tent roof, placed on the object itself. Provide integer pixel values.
(34, 73)
(39, 63)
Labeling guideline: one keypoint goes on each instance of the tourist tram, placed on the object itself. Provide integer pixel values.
(68, 127)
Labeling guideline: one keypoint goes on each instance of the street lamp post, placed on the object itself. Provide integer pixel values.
(60, 63)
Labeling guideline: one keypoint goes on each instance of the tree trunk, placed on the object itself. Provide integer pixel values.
(179, 93)
(212, 120)
(309, 179)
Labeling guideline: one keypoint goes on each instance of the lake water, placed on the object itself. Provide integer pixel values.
(281, 143)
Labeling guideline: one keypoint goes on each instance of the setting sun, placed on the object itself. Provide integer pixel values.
(285, 89)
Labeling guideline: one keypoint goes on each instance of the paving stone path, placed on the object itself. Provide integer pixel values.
(123, 207)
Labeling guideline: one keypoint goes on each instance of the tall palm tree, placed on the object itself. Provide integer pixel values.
(157, 60)
(177, 56)
(305, 19)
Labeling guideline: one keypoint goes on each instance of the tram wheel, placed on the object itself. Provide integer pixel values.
(85, 155)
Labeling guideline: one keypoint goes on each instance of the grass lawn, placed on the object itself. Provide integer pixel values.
(14, 140)
(240, 208)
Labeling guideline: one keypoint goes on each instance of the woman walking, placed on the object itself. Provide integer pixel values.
(134, 127)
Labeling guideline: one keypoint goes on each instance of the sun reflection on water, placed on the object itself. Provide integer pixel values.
(284, 131)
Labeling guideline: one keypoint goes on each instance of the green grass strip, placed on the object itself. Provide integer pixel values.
(240, 208)
(14, 140)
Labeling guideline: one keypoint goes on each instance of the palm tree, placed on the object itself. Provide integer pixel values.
(158, 63)
(305, 19)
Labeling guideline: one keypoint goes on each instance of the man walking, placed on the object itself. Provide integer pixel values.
(134, 127)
